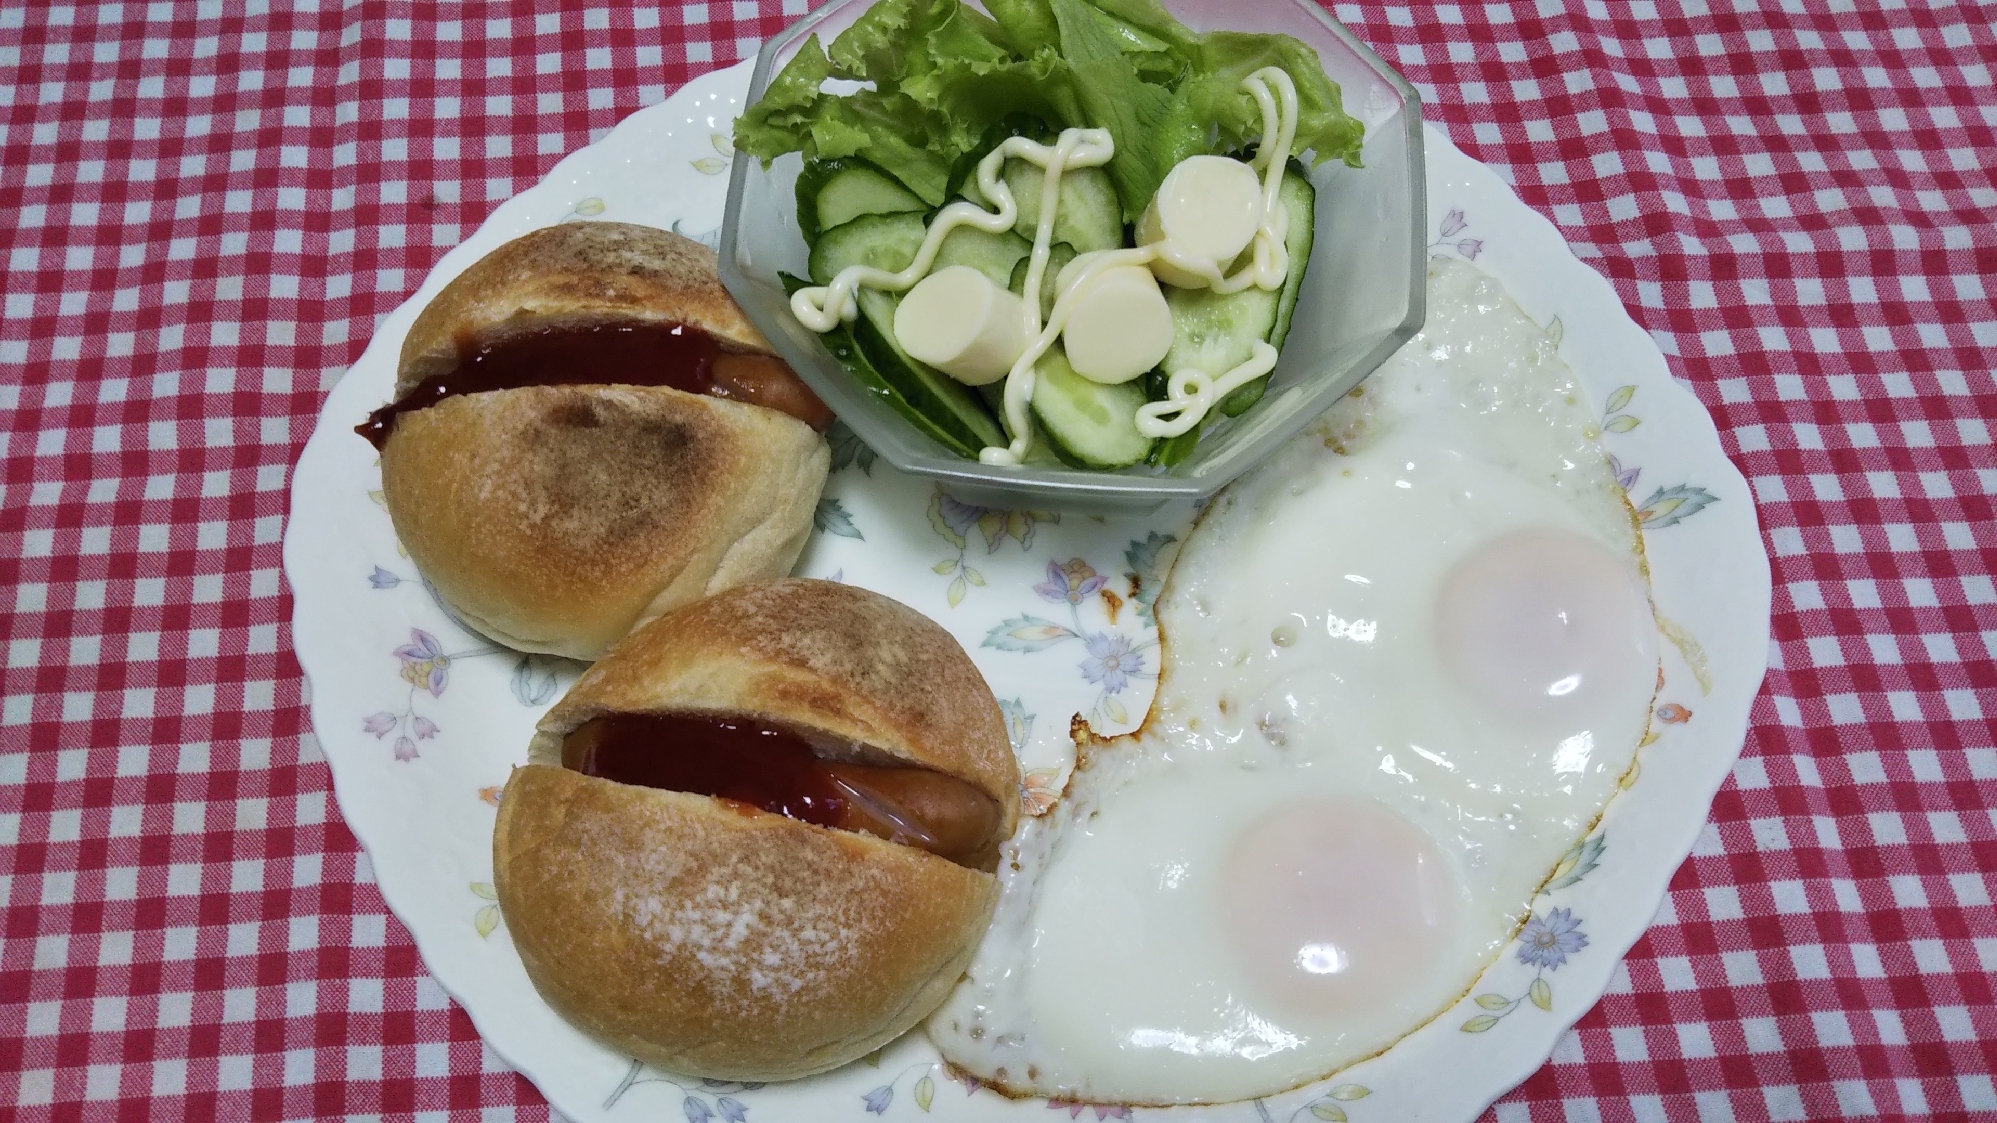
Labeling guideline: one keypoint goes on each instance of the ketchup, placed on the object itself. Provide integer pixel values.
(768, 768)
(680, 356)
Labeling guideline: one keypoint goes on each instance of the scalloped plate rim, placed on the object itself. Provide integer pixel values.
(404, 884)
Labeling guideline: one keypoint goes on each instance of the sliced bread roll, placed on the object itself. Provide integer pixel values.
(581, 498)
(711, 938)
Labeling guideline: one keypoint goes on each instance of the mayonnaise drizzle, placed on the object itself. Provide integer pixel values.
(1190, 393)
(822, 308)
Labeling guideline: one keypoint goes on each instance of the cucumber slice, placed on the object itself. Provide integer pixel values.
(1058, 257)
(1038, 452)
(994, 255)
(947, 403)
(1218, 333)
(1090, 216)
(993, 395)
(840, 342)
(1300, 199)
(1169, 450)
(964, 173)
(1087, 423)
(884, 241)
(890, 242)
(1174, 450)
(834, 192)
(1043, 453)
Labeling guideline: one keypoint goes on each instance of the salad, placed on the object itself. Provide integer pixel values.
(1070, 230)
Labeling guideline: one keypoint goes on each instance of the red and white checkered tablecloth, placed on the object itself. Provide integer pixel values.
(206, 206)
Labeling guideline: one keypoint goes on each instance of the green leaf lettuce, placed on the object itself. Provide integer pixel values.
(939, 76)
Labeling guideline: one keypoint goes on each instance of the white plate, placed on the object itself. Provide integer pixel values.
(421, 719)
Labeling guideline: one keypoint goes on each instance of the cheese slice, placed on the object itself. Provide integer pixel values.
(959, 322)
(1207, 211)
(1118, 326)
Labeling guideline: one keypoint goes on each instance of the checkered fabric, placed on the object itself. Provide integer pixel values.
(207, 206)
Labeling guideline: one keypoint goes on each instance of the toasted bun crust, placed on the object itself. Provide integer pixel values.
(577, 272)
(558, 518)
(717, 944)
(742, 945)
(816, 655)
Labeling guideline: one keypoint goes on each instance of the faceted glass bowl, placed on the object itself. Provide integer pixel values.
(1362, 298)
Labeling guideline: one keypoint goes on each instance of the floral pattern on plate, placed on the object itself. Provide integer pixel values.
(465, 708)
(700, 1100)
(1111, 659)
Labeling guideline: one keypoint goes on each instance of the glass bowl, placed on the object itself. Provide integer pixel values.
(1362, 298)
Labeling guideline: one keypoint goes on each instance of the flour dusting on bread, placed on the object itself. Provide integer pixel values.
(709, 937)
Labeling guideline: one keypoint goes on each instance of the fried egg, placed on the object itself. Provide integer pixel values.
(1406, 664)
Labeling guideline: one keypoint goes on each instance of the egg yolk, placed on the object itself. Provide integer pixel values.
(1542, 625)
(1337, 904)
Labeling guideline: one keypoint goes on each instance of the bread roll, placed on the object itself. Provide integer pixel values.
(556, 518)
(716, 940)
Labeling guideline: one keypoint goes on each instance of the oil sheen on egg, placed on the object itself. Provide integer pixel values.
(1405, 665)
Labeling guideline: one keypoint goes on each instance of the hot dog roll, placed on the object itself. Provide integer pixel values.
(754, 842)
(587, 432)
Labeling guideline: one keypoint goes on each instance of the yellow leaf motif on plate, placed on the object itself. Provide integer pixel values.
(873, 1059)
(925, 1092)
(1330, 1112)
(590, 208)
(1541, 994)
(941, 525)
(486, 918)
(1690, 650)
(1493, 1001)
(1038, 793)
(957, 592)
(996, 525)
(722, 144)
(1620, 398)
(1480, 1023)
(710, 165)
(1622, 424)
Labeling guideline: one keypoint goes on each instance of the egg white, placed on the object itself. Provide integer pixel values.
(1345, 797)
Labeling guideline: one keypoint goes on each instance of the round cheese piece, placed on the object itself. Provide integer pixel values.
(1207, 210)
(1119, 326)
(959, 322)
